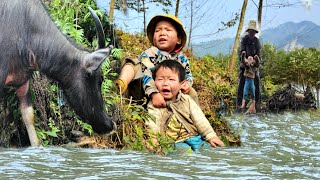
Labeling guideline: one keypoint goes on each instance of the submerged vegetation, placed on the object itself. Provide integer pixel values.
(57, 124)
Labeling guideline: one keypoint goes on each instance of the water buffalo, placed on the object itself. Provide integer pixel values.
(30, 41)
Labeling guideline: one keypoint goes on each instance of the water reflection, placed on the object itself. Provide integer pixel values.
(281, 146)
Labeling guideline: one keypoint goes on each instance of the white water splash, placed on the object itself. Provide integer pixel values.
(307, 4)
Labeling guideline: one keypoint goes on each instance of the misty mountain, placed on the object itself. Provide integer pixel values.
(286, 36)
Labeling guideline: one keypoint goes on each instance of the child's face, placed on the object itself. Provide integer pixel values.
(168, 83)
(165, 36)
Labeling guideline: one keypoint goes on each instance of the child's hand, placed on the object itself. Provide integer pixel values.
(158, 100)
(151, 147)
(185, 88)
(214, 142)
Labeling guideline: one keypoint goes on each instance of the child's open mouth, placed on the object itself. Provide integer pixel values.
(165, 92)
(162, 40)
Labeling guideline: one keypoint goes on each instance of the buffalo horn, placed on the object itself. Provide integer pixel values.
(100, 32)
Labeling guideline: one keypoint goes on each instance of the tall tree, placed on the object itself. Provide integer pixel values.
(237, 39)
(117, 4)
(111, 11)
(260, 15)
(191, 20)
(177, 8)
(144, 18)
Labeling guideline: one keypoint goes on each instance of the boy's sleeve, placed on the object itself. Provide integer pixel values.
(147, 81)
(151, 122)
(201, 122)
(256, 62)
(186, 65)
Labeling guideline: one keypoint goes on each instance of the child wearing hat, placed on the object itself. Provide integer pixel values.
(168, 37)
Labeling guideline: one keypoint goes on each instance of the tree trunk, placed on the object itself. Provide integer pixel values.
(191, 19)
(236, 41)
(111, 10)
(144, 18)
(260, 16)
(177, 8)
(318, 97)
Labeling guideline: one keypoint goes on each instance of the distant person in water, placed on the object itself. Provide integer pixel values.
(250, 46)
(251, 65)
(181, 120)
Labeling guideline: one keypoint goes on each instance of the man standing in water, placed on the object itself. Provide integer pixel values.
(250, 46)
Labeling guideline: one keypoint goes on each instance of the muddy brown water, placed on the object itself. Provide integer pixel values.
(274, 146)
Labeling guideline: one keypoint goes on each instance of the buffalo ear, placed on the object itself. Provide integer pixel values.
(93, 60)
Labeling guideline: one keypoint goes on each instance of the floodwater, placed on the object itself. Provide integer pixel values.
(274, 146)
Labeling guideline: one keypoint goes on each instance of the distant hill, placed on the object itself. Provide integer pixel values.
(286, 36)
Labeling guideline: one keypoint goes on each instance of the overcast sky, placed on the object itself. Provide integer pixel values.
(208, 15)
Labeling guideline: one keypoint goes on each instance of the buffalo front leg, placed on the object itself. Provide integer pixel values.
(27, 112)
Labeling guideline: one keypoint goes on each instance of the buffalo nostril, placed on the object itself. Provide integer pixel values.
(103, 126)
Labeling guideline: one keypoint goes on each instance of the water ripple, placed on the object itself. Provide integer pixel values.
(274, 146)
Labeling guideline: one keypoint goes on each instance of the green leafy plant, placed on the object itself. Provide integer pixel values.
(299, 66)
(85, 126)
(45, 135)
(117, 53)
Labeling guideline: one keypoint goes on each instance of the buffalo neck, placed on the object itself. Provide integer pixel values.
(54, 54)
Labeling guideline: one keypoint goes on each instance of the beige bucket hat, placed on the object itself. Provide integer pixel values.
(252, 25)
